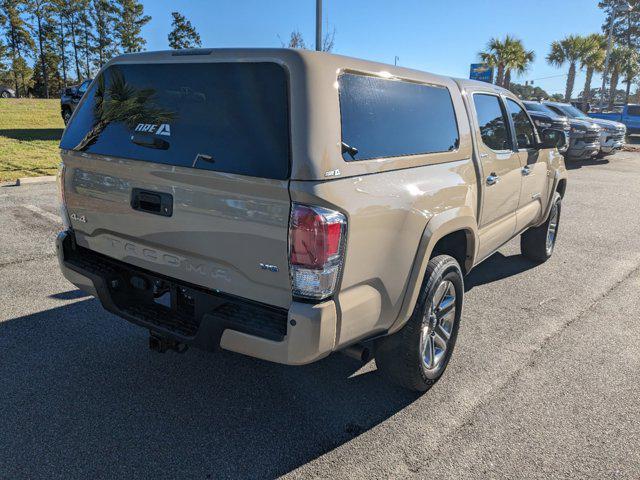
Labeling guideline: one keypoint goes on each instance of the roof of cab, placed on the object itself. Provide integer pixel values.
(283, 54)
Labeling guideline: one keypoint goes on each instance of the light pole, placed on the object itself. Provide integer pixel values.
(395, 60)
(318, 25)
(614, 13)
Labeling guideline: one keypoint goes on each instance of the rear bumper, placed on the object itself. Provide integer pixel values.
(302, 334)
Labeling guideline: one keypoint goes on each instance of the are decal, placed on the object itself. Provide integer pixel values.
(163, 129)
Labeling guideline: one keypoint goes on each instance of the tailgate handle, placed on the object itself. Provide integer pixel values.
(152, 202)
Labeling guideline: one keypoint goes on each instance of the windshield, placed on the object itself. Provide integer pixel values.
(226, 117)
(572, 111)
(538, 107)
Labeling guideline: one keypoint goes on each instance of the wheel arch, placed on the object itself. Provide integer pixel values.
(453, 233)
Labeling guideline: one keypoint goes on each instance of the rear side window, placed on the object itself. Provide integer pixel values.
(492, 121)
(525, 136)
(390, 118)
(227, 117)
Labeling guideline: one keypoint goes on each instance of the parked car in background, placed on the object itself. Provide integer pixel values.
(543, 117)
(7, 92)
(629, 115)
(287, 204)
(70, 98)
(612, 134)
(584, 136)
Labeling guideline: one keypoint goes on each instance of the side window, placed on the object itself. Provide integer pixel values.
(525, 133)
(492, 121)
(391, 118)
(633, 111)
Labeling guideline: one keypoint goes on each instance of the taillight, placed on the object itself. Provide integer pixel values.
(316, 250)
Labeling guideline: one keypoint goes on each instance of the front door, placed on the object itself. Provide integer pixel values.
(533, 163)
(501, 175)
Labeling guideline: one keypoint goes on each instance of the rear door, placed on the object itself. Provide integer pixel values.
(534, 166)
(182, 169)
(501, 177)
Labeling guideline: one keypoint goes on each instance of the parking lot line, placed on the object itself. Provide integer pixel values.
(39, 211)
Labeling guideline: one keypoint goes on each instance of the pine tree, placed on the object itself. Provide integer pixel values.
(104, 21)
(41, 14)
(86, 39)
(183, 34)
(62, 13)
(19, 42)
(74, 9)
(131, 19)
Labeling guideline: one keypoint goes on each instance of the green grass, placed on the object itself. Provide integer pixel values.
(30, 131)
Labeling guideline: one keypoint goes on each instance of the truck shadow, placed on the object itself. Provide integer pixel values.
(497, 267)
(32, 133)
(592, 162)
(82, 396)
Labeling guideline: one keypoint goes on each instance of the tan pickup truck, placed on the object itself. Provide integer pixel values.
(287, 204)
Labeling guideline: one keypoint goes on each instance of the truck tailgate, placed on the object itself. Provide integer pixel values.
(222, 228)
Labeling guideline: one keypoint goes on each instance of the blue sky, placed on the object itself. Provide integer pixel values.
(433, 35)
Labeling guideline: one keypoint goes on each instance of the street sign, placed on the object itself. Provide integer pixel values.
(482, 72)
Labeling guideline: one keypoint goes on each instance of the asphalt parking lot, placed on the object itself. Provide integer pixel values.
(545, 381)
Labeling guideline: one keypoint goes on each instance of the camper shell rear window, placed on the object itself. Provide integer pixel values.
(226, 117)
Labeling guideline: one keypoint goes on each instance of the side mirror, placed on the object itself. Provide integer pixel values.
(553, 138)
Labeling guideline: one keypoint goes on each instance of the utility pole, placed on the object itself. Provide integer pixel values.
(318, 25)
(395, 60)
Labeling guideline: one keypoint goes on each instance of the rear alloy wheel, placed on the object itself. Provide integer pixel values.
(538, 243)
(416, 356)
(437, 326)
(4, 95)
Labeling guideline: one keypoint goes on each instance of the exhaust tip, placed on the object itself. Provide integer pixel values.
(358, 352)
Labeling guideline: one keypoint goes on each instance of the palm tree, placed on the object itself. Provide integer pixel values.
(569, 50)
(619, 63)
(593, 61)
(506, 55)
(630, 68)
(518, 59)
(494, 56)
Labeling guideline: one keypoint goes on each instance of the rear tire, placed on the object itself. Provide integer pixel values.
(5, 94)
(417, 355)
(538, 243)
(66, 116)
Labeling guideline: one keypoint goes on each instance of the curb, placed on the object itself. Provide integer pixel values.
(29, 180)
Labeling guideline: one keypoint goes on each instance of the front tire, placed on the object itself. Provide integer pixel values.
(66, 116)
(538, 243)
(417, 355)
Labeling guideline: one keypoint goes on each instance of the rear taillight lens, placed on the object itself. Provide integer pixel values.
(316, 250)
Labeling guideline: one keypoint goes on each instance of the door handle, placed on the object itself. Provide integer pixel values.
(492, 179)
(152, 202)
(526, 170)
